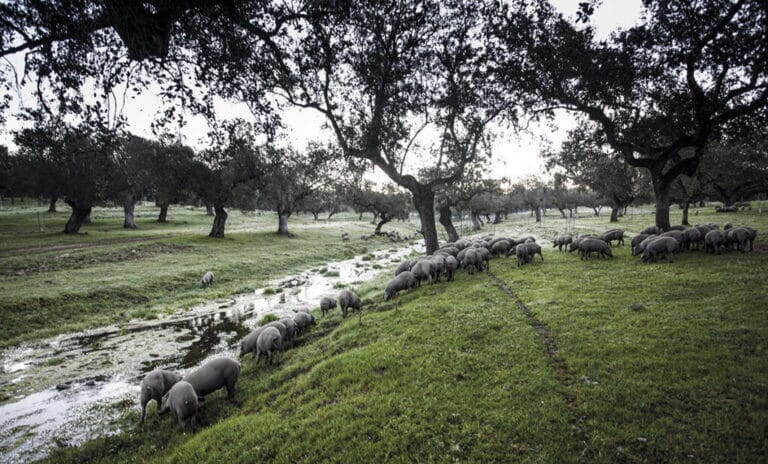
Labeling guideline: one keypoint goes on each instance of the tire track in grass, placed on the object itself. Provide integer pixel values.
(564, 375)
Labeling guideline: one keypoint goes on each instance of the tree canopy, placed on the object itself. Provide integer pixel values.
(656, 93)
(409, 86)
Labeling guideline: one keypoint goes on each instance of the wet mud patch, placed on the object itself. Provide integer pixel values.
(77, 260)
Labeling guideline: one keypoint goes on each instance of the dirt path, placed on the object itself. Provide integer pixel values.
(564, 375)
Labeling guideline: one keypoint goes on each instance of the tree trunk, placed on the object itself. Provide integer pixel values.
(497, 218)
(686, 205)
(615, 208)
(209, 210)
(331, 213)
(219, 222)
(375, 216)
(52, 204)
(447, 221)
(614, 214)
(477, 223)
(315, 214)
(282, 223)
(597, 209)
(424, 200)
(562, 212)
(538, 214)
(384, 219)
(129, 205)
(79, 214)
(661, 191)
(163, 216)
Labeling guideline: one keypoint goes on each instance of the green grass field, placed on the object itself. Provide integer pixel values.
(54, 283)
(608, 360)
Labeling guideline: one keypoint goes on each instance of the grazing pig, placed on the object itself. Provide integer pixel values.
(181, 399)
(533, 250)
(527, 238)
(664, 245)
(640, 247)
(636, 240)
(451, 250)
(280, 328)
(309, 313)
(485, 258)
(348, 299)
(740, 236)
(751, 236)
(472, 261)
(715, 241)
(403, 281)
(422, 270)
(207, 279)
(462, 244)
(248, 344)
(302, 320)
(500, 247)
(451, 264)
(651, 230)
(327, 304)
(218, 373)
(269, 341)
(693, 238)
(703, 230)
(561, 241)
(404, 266)
(526, 251)
(523, 257)
(154, 386)
(594, 245)
(576, 242)
(290, 327)
(438, 266)
(497, 240)
(677, 235)
(613, 234)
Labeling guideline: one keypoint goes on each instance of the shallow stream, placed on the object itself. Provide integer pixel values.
(63, 391)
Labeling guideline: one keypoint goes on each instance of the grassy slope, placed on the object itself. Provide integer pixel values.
(684, 376)
(459, 373)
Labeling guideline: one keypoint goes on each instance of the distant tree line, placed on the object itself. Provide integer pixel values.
(678, 101)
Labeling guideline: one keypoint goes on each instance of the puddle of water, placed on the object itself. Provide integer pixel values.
(55, 384)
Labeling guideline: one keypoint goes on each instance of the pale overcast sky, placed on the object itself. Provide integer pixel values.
(515, 156)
